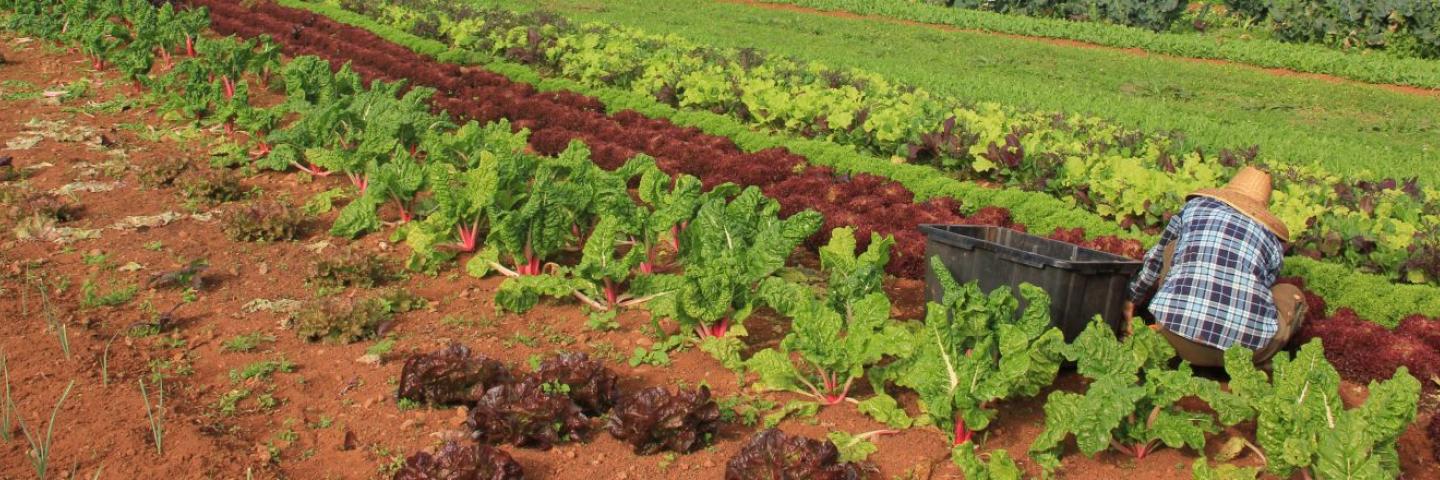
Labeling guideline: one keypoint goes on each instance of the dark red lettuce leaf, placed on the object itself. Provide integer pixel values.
(526, 415)
(455, 461)
(773, 455)
(1363, 351)
(654, 419)
(450, 376)
(592, 385)
(1433, 430)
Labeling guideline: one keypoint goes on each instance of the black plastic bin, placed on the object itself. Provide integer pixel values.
(1081, 282)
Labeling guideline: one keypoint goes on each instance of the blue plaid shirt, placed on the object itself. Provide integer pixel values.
(1218, 289)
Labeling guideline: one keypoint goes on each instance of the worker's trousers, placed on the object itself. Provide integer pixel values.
(1289, 303)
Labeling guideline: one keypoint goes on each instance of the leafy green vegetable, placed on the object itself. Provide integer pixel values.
(1202, 470)
(792, 409)
(976, 349)
(1130, 404)
(832, 340)
(884, 409)
(853, 448)
(727, 251)
(670, 205)
(539, 220)
(998, 467)
(1302, 424)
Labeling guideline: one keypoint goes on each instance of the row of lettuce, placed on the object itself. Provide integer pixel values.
(1305, 33)
(727, 246)
(1373, 296)
(1403, 28)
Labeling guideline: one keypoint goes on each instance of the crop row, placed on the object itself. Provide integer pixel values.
(1404, 28)
(1127, 176)
(1371, 296)
(1261, 52)
(392, 149)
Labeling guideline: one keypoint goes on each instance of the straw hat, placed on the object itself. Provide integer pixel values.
(1249, 192)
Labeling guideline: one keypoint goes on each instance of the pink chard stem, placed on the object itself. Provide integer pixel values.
(962, 433)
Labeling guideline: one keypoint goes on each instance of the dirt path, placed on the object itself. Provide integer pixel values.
(1279, 72)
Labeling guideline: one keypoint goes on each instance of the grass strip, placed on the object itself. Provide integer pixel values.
(1365, 66)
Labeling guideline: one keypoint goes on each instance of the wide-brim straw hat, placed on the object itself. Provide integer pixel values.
(1249, 193)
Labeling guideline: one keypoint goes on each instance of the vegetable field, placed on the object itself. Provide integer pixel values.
(416, 239)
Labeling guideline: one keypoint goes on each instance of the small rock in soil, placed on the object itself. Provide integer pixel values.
(411, 423)
(369, 359)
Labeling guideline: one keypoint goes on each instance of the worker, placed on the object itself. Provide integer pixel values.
(1210, 282)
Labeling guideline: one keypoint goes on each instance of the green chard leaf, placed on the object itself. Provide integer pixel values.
(853, 448)
(976, 349)
(727, 251)
(1301, 422)
(832, 340)
(1202, 470)
(1131, 400)
(999, 466)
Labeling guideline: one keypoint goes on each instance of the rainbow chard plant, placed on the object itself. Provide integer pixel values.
(1302, 424)
(598, 281)
(99, 40)
(463, 199)
(534, 220)
(234, 58)
(1130, 404)
(977, 349)
(471, 170)
(729, 249)
(832, 340)
(604, 268)
(396, 182)
(670, 203)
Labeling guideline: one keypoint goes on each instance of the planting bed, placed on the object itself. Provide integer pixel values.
(129, 279)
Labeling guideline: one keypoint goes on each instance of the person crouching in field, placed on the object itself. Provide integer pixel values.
(1210, 281)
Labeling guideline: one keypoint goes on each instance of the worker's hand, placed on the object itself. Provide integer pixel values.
(1129, 311)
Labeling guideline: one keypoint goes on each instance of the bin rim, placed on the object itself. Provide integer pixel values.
(941, 233)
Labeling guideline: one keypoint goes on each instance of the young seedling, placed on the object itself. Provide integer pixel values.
(188, 276)
(56, 325)
(156, 415)
(40, 447)
(105, 361)
(5, 408)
